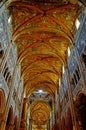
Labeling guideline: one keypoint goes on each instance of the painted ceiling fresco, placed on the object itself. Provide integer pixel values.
(38, 115)
(43, 30)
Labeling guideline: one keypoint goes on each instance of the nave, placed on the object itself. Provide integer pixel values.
(42, 65)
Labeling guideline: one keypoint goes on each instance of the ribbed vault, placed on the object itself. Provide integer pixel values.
(42, 36)
(43, 31)
(40, 113)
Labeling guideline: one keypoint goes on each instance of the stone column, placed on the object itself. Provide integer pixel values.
(3, 123)
(5, 57)
(55, 106)
(50, 120)
(21, 103)
(80, 68)
(64, 102)
(53, 113)
(23, 124)
(72, 108)
(30, 124)
(59, 112)
(48, 124)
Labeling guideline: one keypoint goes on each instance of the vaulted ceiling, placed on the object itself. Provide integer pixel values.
(38, 115)
(43, 30)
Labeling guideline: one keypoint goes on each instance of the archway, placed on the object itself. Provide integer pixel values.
(2, 103)
(40, 115)
(10, 120)
(81, 110)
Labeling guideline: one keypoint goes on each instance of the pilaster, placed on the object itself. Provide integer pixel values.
(80, 68)
(72, 108)
(21, 107)
(3, 123)
(23, 124)
(5, 57)
(59, 112)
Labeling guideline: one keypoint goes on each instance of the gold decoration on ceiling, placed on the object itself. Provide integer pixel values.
(43, 32)
(40, 113)
(42, 37)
